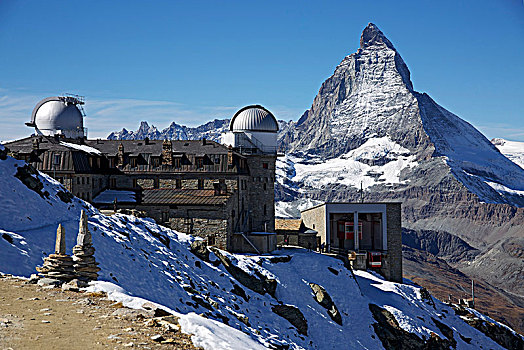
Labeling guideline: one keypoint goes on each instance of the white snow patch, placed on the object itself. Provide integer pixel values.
(83, 148)
(513, 150)
(503, 189)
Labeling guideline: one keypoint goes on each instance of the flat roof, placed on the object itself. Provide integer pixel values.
(352, 203)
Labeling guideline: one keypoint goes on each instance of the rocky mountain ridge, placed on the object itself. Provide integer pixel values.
(210, 130)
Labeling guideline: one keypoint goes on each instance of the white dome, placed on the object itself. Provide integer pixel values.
(54, 115)
(254, 118)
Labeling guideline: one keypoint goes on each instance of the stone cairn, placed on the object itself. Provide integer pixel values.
(85, 265)
(59, 265)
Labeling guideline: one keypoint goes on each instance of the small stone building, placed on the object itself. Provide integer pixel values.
(294, 232)
(368, 233)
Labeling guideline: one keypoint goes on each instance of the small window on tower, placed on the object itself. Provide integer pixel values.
(264, 165)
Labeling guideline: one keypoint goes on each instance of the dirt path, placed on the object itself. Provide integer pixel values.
(32, 317)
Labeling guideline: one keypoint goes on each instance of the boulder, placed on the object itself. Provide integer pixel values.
(43, 282)
(323, 298)
(257, 283)
(293, 315)
(199, 248)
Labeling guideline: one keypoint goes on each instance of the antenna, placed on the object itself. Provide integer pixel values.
(472, 293)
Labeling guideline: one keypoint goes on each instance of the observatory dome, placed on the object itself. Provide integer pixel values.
(254, 118)
(56, 115)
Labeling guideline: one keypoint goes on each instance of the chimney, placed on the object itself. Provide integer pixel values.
(203, 141)
(167, 153)
(230, 156)
(120, 154)
(36, 144)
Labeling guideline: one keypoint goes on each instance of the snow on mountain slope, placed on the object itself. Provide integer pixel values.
(513, 150)
(144, 260)
(472, 158)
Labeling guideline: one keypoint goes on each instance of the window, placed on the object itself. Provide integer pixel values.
(56, 161)
(156, 161)
(155, 182)
(78, 181)
(83, 180)
(200, 184)
(265, 209)
(165, 216)
(217, 160)
(265, 165)
(87, 179)
(211, 239)
(178, 183)
(112, 183)
(132, 161)
(265, 186)
(176, 162)
(135, 183)
(199, 162)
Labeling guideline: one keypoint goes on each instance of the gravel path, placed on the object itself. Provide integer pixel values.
(32, 317)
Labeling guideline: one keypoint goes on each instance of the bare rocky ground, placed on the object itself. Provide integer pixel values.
(34, 317)
(442, 280)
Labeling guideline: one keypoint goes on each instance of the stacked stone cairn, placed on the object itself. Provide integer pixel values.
(85, 266)
(58, 266)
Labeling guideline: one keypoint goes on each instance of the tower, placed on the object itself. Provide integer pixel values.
(253, 133)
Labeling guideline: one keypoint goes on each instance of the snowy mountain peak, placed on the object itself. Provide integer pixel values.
(374, 36)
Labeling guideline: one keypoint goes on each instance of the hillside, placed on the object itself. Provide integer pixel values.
(269, 299)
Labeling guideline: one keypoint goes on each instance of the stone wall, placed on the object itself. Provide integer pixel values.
(145, 183)
(315, 219)
(299, 240)
(214, 231)
(261, 188)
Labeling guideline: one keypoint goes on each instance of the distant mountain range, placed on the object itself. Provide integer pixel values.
(369, 128)
(210, 130)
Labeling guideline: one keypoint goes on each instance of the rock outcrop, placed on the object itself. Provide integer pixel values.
(293, 315)
(322, 297)
(256, 282)
(394, 337)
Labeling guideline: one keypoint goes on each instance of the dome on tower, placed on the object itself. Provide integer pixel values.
(254, 118)
(58, 115)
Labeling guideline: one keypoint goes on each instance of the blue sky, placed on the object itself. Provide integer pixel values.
(193, 61)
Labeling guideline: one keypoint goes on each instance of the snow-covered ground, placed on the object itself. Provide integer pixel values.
(141, 260)
(354, 168)
(379, 161)
(513, 150)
